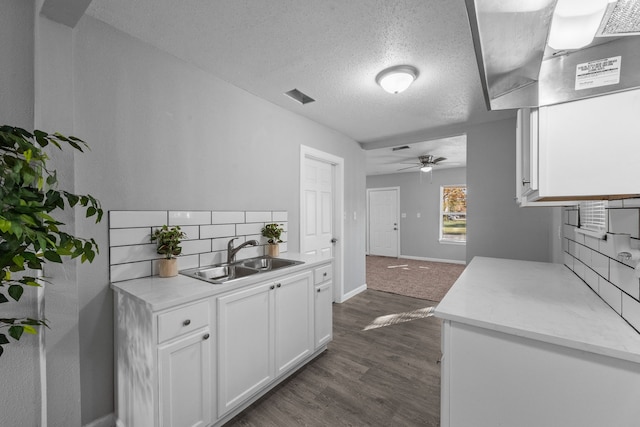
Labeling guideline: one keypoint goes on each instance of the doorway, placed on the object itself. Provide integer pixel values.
(383, 236)
(321, 207)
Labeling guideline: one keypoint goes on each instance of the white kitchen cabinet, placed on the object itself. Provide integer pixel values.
(585, 149)
(245, 344)
(491, 378)
(323, 308)
(185, 381)
(189, 353)
(164, 364)
(263, 332)
(294, 325)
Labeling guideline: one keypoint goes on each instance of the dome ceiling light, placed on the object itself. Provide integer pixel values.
(397, 79)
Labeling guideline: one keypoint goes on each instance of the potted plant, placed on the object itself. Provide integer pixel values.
(273, 233)
(168, 240)
(30, 236)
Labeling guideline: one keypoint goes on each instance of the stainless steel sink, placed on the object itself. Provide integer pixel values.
(224, 273)
(268, 263)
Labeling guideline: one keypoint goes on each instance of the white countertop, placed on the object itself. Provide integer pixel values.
(159, 293)
(541, 301)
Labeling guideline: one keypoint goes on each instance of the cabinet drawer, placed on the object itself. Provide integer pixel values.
(322, 274)
(182, 320)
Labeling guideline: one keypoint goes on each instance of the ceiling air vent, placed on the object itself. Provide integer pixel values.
(296, 95)
(404, 147)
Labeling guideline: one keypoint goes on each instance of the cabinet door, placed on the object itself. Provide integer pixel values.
(323, 314)
(527, 151)
(245, 344)
(185, 381)
(294, 320)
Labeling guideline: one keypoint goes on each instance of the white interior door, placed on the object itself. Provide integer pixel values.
(322, 210)
(318, 208)
(383, 221)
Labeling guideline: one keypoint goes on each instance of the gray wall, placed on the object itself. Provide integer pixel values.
(165, 135)
(496, 226)
(419, 237)
(20, 398)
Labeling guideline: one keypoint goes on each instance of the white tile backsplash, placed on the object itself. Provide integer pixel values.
(279, 216)
(624, 221)
(129, 236)
(611, 295)
(189, 217)
(227, 217)
(131, 270)
(132, 255)
(617, 284)
(247, 229)
(213, 231)
(631, 311)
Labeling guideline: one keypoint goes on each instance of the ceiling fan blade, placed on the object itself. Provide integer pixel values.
(410, 167)
(439, 159)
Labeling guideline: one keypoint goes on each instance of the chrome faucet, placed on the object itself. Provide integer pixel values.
(231, 251)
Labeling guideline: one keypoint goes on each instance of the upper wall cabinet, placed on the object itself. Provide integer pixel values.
(581, 150)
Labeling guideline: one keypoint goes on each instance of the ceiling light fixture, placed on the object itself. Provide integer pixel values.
(575, 23)
(426, 168)
(397, 79)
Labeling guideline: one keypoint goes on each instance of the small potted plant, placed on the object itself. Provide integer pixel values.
(273, 233)
(168, 240)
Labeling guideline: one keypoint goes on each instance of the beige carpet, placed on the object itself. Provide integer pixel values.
(418, 279)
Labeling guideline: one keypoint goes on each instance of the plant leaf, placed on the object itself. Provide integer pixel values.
(15, 292)
(52, 256)
(16, 331)
(3, 339)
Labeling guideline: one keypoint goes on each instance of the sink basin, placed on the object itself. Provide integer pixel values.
(225, 273)
(266, 263)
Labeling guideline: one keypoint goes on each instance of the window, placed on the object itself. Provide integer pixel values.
(593, 218)
(453, 214)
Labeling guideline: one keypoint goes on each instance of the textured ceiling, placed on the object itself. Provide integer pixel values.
(386, 161)
(329, 49)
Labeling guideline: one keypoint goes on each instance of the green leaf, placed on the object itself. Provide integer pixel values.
(3, 299)
(91, 211)
(16, 331)
(52, 256)
(1, 350)
(30, 330)
(15, 292)
(3, 339)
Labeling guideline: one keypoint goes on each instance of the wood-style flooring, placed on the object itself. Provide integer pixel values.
(388, 376)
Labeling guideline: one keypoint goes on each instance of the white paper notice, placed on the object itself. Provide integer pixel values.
(598, 73)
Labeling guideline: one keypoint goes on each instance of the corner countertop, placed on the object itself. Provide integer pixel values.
(160, 293)
(542, 301)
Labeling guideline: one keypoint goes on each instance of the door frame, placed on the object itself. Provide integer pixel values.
(369, 191)
(337, 217)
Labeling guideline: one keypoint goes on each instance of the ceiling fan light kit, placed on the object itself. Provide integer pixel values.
(397, 79)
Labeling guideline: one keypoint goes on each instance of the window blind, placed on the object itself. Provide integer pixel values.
(593, 216)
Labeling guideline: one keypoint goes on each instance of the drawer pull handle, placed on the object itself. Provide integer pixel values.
(272, 287)
(205, 337)
(278, 285)
(186, 322)
(318, 290)
(324, 274)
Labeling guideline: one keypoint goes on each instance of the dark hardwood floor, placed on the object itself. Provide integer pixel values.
(386, 376)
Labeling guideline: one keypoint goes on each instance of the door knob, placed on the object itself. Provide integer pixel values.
(334, 240)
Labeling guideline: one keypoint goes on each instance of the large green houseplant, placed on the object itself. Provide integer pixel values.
(30, 236)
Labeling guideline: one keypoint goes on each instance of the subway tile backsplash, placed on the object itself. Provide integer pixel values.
(132, 255)
(595, 260)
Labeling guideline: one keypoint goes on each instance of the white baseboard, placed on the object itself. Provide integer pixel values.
(353, 293)
(106, 421)
(417, 258)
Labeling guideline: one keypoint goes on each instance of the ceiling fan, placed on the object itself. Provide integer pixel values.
(427, 162)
